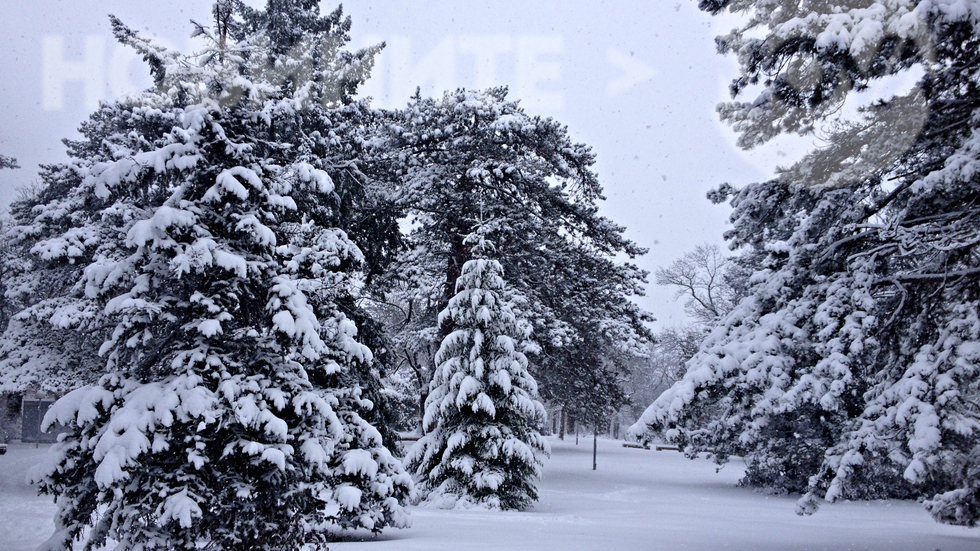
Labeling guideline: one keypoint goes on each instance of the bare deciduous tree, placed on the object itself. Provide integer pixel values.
(706, 277)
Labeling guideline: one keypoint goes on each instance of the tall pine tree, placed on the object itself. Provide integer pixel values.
(476, 155)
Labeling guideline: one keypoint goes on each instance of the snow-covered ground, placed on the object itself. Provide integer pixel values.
(636, 500)
(25, 518)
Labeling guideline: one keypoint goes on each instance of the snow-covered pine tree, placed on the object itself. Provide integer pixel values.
(482, 446)
(201, 216)
(474, 155)
(51, 332)
(756, 350)
(51, 339)
(851, 368)
(7, 256)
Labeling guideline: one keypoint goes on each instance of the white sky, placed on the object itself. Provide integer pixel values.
(636, 80)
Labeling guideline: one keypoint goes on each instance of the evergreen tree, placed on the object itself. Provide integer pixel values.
(52, 333)
(7, 261)
(482, 446)
(472, 156)
(49, 341)
(7, 256)
(850, 369)
(199, 222)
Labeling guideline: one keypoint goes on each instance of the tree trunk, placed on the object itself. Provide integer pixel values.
(420, 376)
(562, 420)
(423, 396)
(595, 443)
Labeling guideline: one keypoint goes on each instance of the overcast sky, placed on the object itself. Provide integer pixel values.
(636, 80)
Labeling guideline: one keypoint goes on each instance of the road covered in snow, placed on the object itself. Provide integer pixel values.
(636, 500)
